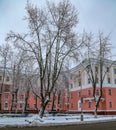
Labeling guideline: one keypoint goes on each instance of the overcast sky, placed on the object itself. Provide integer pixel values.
(94, 15)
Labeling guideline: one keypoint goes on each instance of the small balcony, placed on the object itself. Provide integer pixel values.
(90, 98)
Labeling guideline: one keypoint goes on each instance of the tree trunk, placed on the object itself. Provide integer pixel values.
(95, 112)
(25, 107)
(41, 112)
(12, 102)
(26, 100)
(36, 108)
(59, 96)
(53, 101)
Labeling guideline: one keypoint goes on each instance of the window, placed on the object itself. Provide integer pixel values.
(67, 99)
(81, 99)
(14, 105)
(89, 92)
(71, 85)
(71, 105)
(89, 104)
(21, 105)
(60, 106)
(108, 69)
(79, 104)
(21, 97)
(7, 88)
(96, 80)
(115, 81)
(97, 92)
(79, 73)
(0, 78)
(79, 83)
(71, 95)
(28, 106)
(71, 76)
(36, 107)
(67, 106)
(89, 80)
(115, 71)
(110, 104)
(110, 92)
(6, 95)
(7, 78)
(6, 105)
(14, 96)
(109, 80)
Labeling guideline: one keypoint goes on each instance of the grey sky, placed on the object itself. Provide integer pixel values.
(94, 15)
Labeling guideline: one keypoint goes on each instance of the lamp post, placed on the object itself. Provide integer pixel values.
(81, 105)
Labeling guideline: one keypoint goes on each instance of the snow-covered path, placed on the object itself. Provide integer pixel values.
(50, 120)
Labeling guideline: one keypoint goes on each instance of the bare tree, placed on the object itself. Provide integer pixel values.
(50, 40)
(30, 79)
(59, 90)
(16, 65)
(98, 53)
(5, 53)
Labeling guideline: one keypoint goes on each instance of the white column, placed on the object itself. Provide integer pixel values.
(112, 72)
(105, 79)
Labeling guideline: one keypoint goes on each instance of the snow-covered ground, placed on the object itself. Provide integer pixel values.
(34, 120)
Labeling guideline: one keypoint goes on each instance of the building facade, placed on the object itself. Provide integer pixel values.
(17, 96)
(75, 97)
(81, 87)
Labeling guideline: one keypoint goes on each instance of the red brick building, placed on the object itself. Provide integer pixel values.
(81, 88)
(76, 97)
